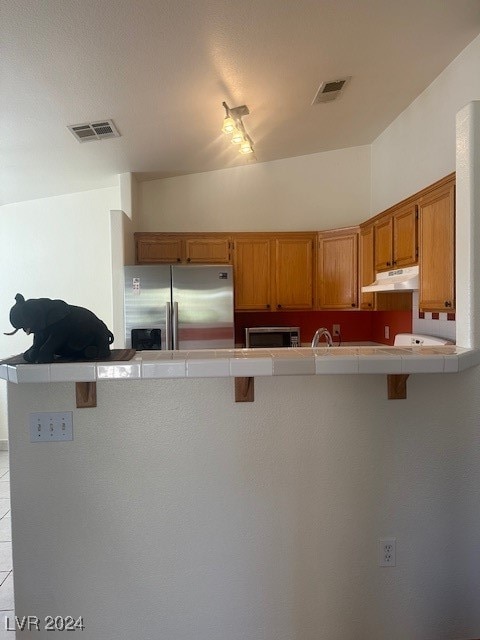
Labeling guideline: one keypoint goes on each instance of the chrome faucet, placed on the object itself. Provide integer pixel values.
(318, 334)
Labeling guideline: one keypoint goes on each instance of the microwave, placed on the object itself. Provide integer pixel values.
(272, 337)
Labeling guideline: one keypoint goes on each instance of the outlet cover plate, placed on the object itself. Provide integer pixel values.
(387, 556)
(51, 427)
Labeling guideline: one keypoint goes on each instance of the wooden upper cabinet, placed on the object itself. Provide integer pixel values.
(405, 236)
(366, 266)
(383, 239)
(395, 238)
(158, 248)
(167, 248)
(207, 250)
(273, 271)
(294, 271)
(252, 273)
(337, 269)
(437, 249)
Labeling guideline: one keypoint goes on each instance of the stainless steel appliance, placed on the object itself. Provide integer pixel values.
(272, 337)
(190, 305)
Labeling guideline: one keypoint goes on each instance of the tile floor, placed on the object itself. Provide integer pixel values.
(6, 575)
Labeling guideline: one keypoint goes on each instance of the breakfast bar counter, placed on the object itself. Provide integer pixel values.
(221, 363)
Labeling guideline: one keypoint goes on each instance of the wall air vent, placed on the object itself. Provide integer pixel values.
(330, 90)
(94, 130)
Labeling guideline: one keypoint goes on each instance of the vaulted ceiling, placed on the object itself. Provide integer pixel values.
(161, 69)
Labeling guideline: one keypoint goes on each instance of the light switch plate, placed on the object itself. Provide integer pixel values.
(51, 427)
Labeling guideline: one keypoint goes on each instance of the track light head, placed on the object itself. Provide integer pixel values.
(228, 125)
(246, 146)
(237, 136)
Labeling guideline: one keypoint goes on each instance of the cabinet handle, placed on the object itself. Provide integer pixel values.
(179, 259)
(188, 259)
(394, 262)
(267, 306)
(448, 303)
(353, 304)
(388, 264)
(279, 306)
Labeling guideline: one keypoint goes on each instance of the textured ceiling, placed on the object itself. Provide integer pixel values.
(161, 70)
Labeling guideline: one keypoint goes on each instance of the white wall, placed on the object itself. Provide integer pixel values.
(468, 225)
(55, 248)
(178, 514)
(418, 148)
(319, 191)
(122, 253)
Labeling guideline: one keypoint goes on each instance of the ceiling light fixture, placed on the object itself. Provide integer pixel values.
(233, 126)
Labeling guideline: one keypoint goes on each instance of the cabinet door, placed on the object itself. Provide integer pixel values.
(252, 273)
(294, 259)
(367, 269)
(207, 250)
(338, 285)
(383, 236)
(437, 250)
(405, 236)
(155, 249)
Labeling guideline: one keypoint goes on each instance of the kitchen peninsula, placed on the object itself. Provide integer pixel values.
(175, 498)
(225, 363)
(245, 364)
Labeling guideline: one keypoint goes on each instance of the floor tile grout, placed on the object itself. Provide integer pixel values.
(6, 591)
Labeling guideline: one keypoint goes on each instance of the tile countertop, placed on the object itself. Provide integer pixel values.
(253, 362)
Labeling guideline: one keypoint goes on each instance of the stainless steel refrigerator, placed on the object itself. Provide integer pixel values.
(179, 307)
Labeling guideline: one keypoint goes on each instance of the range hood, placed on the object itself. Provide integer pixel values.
(397, 280)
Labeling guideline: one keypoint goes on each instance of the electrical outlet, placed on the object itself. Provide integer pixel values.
(387, 556)
(336, 330)
(51, 427)
(387, 332)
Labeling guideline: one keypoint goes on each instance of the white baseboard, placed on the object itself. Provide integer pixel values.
(3, 445)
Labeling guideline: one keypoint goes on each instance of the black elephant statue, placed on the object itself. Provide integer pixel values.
(60, 329)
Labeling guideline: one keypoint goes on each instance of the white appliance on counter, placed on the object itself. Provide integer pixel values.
(179, 307)
(417, 339)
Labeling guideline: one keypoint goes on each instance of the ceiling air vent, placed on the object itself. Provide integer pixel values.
(330, 90)
(94, 130)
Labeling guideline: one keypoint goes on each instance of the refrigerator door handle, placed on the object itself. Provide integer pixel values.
(168, 326)
(175, 325)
